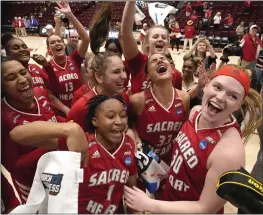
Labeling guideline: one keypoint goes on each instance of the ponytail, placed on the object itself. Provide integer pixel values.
(253, 107)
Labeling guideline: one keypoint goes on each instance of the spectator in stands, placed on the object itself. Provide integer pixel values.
(194, 17)
(250, 44)
(34, 21)
(240, 30)
(199, 6)
(247, 7)
(175, 36)
(21, 26)
(189, 32)
(208, 13)
(199, 50)
(217, 20)
(188, 9)
(15, 25)
(229, 20)
(259, 68)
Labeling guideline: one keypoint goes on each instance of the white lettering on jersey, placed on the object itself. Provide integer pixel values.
(178, 184)
(67, 77)
(97, 208)
(145, 85)
(164, 126)
(161, 151)
(105, 177)
(53, 119)
(186, 149)
(37, 80)
(66, 97)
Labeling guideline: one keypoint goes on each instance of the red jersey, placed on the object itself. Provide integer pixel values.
(191, 150)
(9, 200)
(249, 49)
(139, 80)
(80, 92)
(64, 81)
(158, 126)
(39, 77)
(79, 110)
(19, 160)
(15, 23)
(105, 176)
(176, 31)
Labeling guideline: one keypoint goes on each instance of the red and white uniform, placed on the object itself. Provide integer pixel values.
(80, 92)
(139, 80)
(19, 160)
(158, 126)
(79, 110)
(39, 77)
(8, 198)
(191, 150)
(105, 176)
(176, 32)
(15, 23)
(64, 81)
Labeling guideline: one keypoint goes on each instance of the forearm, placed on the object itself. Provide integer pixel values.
(194, 91)
(174, 207)
(58, 104)
(83, 34)
(35, 133)
(212, 52)
(191, 51)
(57, 29)
(128, 18)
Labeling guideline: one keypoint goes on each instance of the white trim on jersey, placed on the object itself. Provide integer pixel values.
(112, 155)
(30, 114)
(95, 91)
(64, 68)
(167, 110)
(228, 124)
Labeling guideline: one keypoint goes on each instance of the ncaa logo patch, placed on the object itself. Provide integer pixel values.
(179, 111)
(52, 182)
(71, 67)
(202, 144)
(36, 71)
(128, 161)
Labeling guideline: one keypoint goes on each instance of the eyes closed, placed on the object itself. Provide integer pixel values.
(232, 95)
(13, 76)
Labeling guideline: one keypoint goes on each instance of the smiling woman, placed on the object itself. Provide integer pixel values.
(21, 104)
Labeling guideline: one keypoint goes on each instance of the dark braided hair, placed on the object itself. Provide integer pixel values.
(8, 42)
(116, 42)
(93, 104)
(195, 61)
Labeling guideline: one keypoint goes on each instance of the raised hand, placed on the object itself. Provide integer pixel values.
(40, 59)
(63, 7)
(203, 76)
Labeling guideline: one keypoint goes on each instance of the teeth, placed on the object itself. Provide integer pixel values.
(25, 88)
(216, 105)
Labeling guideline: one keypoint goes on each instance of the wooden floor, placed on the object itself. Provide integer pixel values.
(38, 44)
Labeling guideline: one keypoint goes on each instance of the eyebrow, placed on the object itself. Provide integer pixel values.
(231, 91)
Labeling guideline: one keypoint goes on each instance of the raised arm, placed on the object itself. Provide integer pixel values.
(130, 48)
(83, 34)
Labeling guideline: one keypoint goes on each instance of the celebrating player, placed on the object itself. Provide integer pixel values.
(66, 78)
(109, 72)
(161, 110)
(21, 104)
(111, 162)
(208, 145)
(156, 41)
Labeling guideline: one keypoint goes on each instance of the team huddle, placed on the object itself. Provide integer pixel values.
(96, 113)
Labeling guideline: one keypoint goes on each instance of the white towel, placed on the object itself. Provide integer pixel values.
(56, 184)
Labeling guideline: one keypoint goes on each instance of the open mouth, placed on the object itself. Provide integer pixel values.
(214, 107)
(26, 91)
(59, 49)
(161, 69)
(159, 46)
(24, 54)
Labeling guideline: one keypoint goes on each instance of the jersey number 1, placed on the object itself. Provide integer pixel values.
(110, 192)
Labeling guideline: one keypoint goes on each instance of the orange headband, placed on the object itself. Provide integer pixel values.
(235, 73)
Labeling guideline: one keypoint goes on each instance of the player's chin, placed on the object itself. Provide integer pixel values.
(115, 137)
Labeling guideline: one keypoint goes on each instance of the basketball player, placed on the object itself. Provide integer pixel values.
(109, 72)
(66, 78)
(21, 104)
(208, 145)
(89, 78)
(156, 41)
(160, 110)
(111, 162)
(17, 49)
